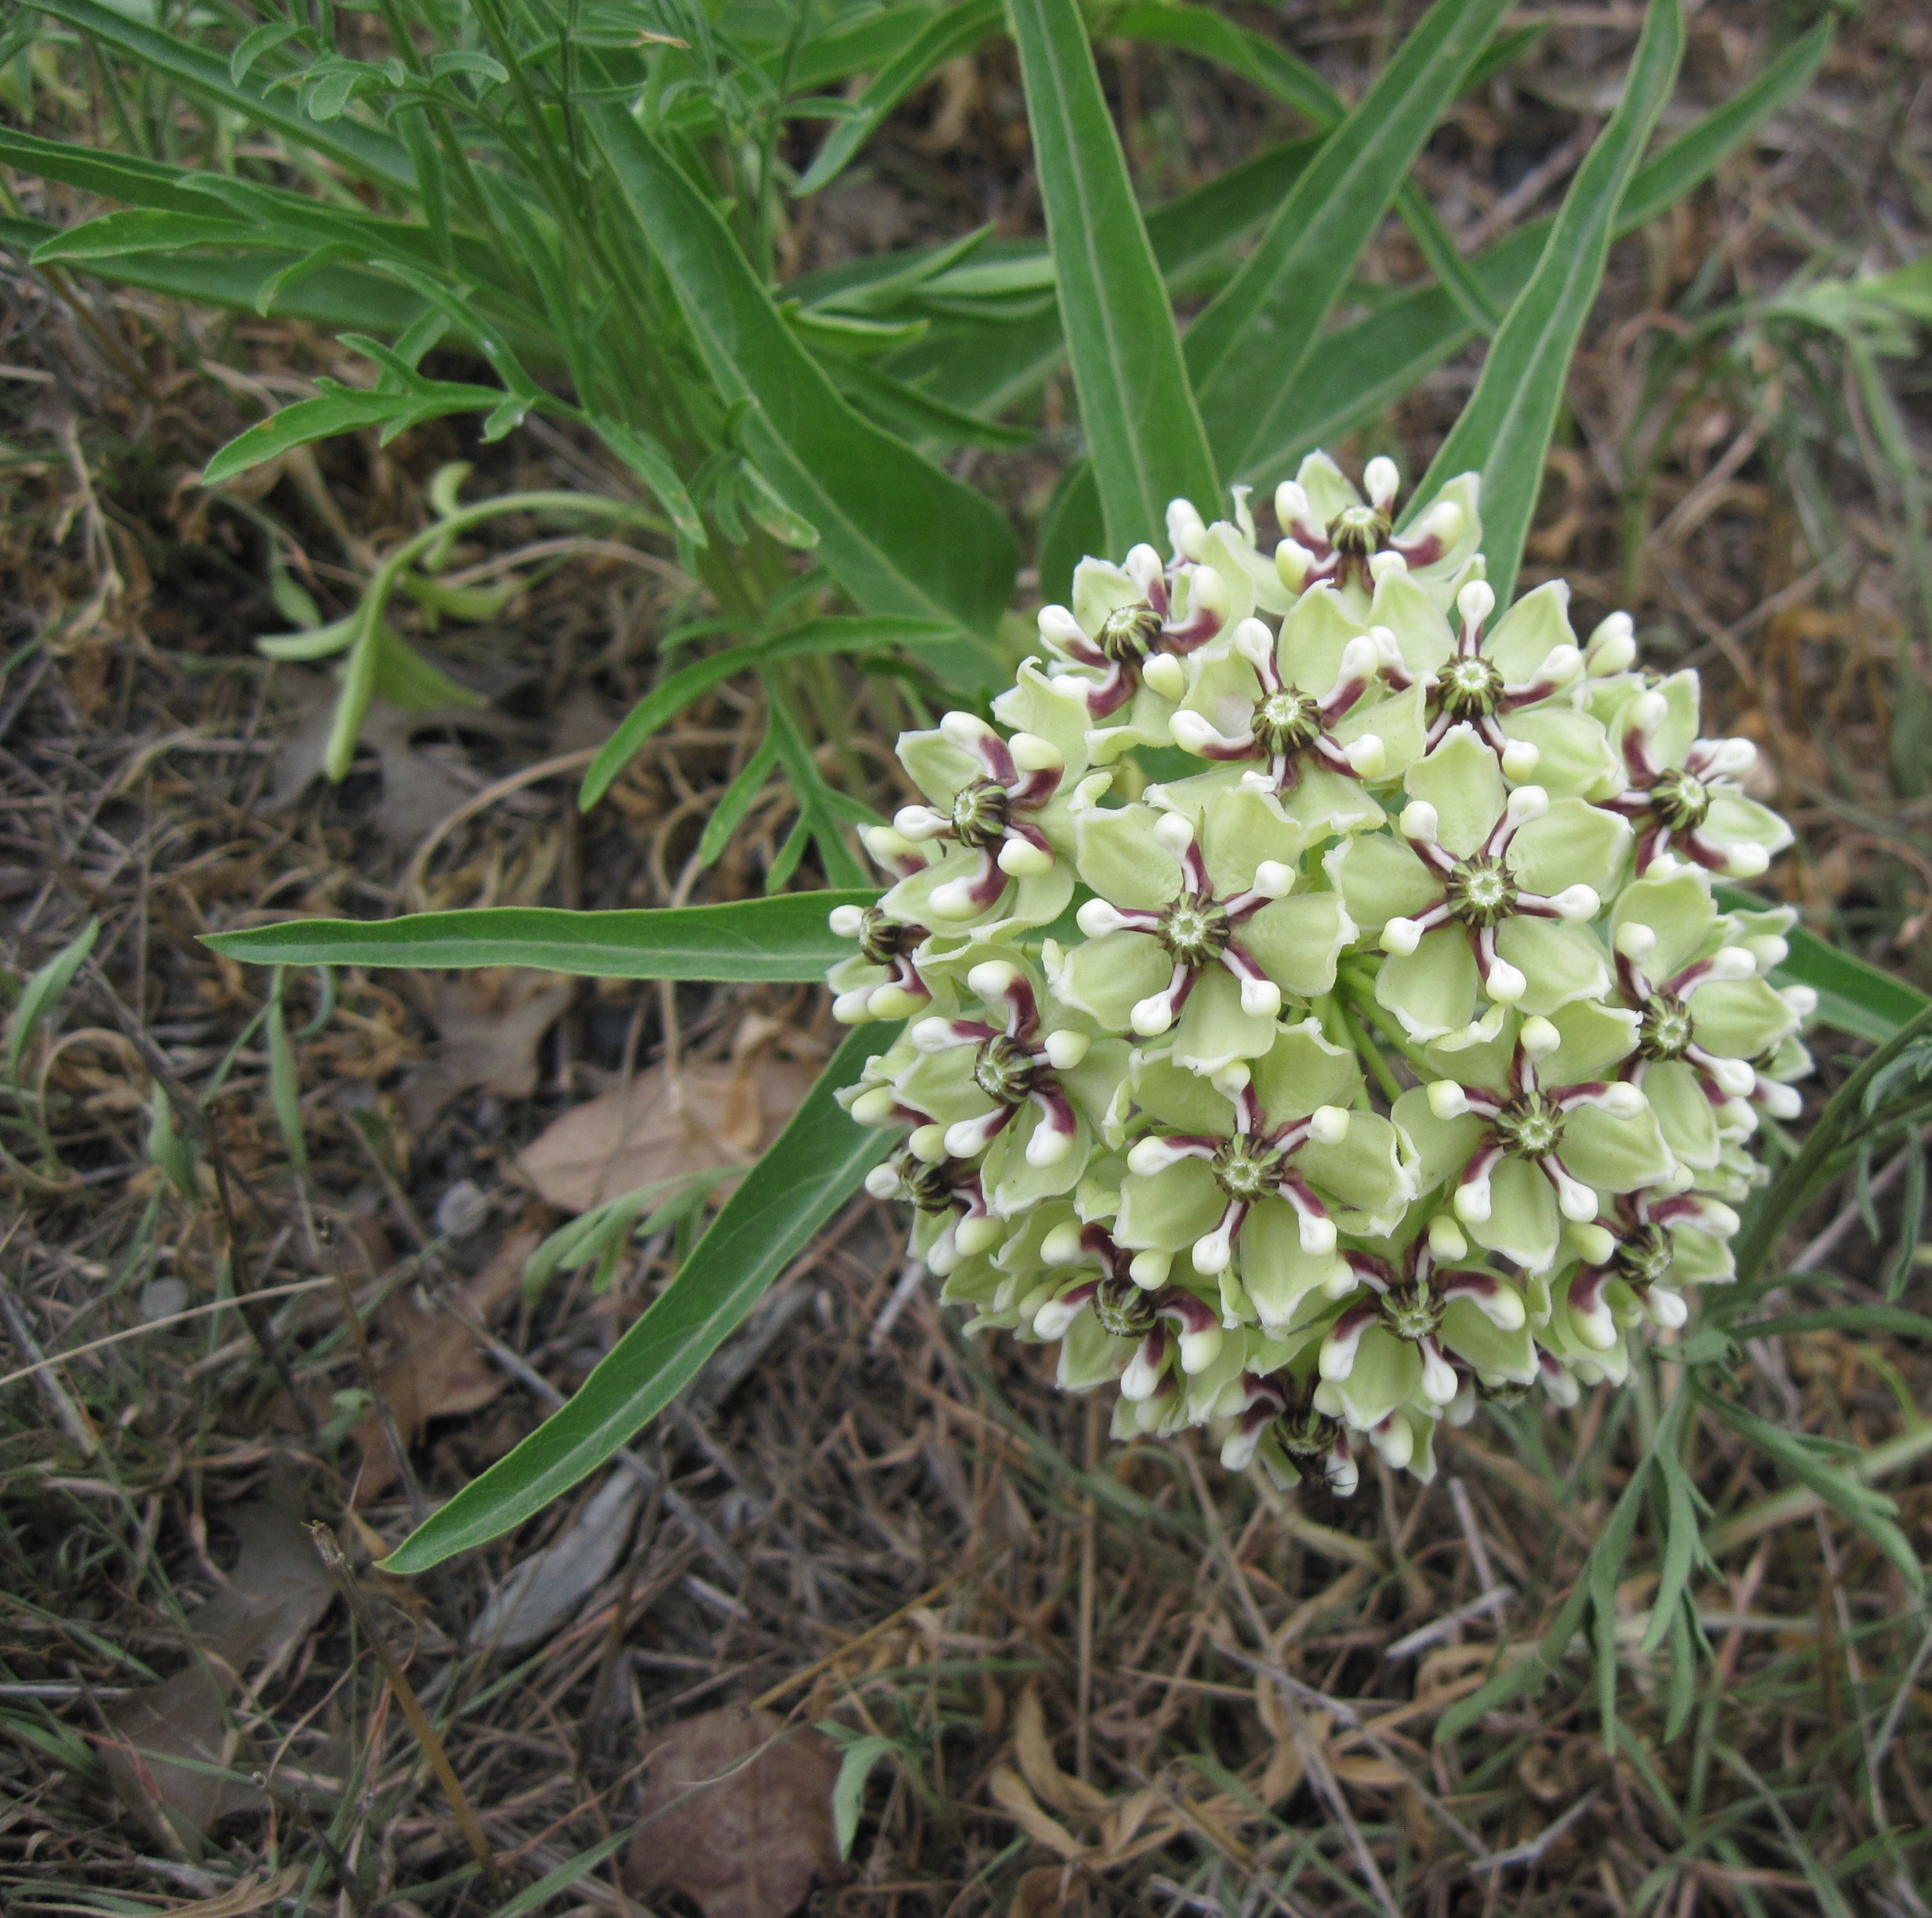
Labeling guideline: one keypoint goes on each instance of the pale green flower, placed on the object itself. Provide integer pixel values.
(1519, 1153)
(1494, 900)
(1138, 1122)
(1682, 794)
(1331, 534)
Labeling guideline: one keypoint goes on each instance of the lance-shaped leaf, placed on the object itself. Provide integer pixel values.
(1144, 432)
(899, 535)
(1246, 350)
(1504, 431)
(783, 937)
(810, 1170)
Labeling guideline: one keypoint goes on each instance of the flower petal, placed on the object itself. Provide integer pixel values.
(1433, 990)
(1463, 781)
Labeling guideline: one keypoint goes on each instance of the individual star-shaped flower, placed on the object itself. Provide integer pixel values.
(1523, 1142)
(1488, 896)
(1242, 707)
(1194, 931)
(1252, 1174)
(1254, 1163)
(1015, 1063)
(987, 796)
(1683, 797)
(1277, 1421)
(1705, 1017)
(1472, 686)
(951, 1220)
(1133, 624)
(1386, 1349)
(1653, 1245)
(1167, 1321)
(1333, 534)
(882, 980)
(1530, 661)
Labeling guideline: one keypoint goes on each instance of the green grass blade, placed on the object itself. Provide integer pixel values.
(1854, 996)
(1144, 432)
(876, 503)
(785, 938)
(956, 31)
(1504, 431)
(366, 152)
(1246, 351)
(811, 1169)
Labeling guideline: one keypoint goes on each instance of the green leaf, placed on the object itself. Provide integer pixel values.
(1694, 155)
(652, 465)
(971, 665)
(956, 31)
(784, 938)
(142, 231)
(364, 152)
(1354, 373)
(1871, 1512)
(166, 1147)
(1144, 432)
(875, 504)
(729, 814)
(1504, 430)
(41, 994)
(1892, 1321)
(284, 1082)
(1854, 996)
(849, 1789)
(339, 410)
(1246, 351)
(1211, 36)
(807, 1173)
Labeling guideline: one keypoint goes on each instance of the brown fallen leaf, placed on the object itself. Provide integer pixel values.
(166, 1735)
(1048, 1888)
(430, 1366)
(489, 1024)
(665, 1124)
(744, 1840)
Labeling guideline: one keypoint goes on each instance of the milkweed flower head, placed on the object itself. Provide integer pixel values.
(1318, 1017)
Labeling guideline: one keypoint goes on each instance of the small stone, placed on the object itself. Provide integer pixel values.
(461, 1209)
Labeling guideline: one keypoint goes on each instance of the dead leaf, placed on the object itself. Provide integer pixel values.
(742, 1840)
(664, 1125)
(1034, 1750)
(1047, 1889)
(430, 1366)
(420, 788)
(489, 1024)
(166, 1734)
(1010, 1793)
(544, 1590)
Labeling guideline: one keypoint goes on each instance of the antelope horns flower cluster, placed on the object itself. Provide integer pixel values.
(1388, 1051)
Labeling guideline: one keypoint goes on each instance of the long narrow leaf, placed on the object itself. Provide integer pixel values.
(1246, 350)
(1144, 432)
(785, 938)
(808, 1172)
(1213, 36)
(899, 534)
(1504, 431)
